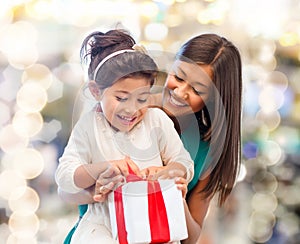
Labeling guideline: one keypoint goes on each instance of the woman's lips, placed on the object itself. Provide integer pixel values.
(176, 102)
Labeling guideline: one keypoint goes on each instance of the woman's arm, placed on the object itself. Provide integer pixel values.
(196, 207)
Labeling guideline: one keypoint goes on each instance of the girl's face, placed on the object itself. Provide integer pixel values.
(124, 104)
(187, 88)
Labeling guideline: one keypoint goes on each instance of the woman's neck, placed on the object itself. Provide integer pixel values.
(183, 122)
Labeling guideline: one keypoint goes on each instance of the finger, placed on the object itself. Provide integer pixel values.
(145, 173)
(100, 198)
(104, 181)
(107, 188)
(161, 174)
(111, 171)
(101, 191)
(176, 173)
(180, 180)
(133, 166)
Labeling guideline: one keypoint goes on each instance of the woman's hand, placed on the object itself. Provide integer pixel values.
(165, 172)
(181, 185)
(170, 171)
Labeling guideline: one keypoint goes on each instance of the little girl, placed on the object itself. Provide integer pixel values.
(122, 128)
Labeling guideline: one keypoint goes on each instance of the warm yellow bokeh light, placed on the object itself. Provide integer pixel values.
(12, 239)
(23, 224)
(148, 9)
(264, 202)
(18, 43)
(270, 119)
(5, 113)
(27, 124)
(29, 163)
(156, 31)
(11, 141)
(9, 181)
(278, 79)
(24, 199)
(38, 73)
(6, 16)
(41, 9)
(21, 58)
(288, 39)
(272, 151)
(260, 226)
(270, 99)
(31, 97)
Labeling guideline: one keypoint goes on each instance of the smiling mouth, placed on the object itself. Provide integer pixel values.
(176, 102)
(127, 119)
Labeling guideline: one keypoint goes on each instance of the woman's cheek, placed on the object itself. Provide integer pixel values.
(170, 83)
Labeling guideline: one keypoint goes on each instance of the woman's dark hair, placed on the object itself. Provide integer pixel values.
(224, 109)
(97, 45)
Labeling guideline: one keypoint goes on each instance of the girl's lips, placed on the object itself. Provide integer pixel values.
(126, 120)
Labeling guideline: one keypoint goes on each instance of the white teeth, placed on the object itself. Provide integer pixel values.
(176, 102)
(129, 119)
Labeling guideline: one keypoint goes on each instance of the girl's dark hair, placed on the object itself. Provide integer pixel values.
(97, 45)
(223, 110)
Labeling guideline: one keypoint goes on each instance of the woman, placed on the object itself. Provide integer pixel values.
(204, 85)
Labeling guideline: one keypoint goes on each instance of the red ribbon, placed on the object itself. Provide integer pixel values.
(158, 219)
(122, 233)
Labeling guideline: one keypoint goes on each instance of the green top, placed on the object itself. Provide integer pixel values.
(81, 209)
(198, 150)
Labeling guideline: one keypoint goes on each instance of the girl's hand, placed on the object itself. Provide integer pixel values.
(106, 183)
(124, 164)
(151, 172)
(112, 176)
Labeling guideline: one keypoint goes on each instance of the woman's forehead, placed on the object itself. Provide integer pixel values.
(193, 72)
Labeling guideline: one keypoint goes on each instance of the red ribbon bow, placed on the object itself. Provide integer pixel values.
(158, 219)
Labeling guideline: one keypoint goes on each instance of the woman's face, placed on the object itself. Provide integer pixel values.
(124, 104)
(187, 88)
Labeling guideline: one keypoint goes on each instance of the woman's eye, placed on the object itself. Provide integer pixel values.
(198, 92)
(178, 78)
(121, 99)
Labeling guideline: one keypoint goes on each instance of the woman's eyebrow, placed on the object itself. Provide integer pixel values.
(192, 82)
(182, 71)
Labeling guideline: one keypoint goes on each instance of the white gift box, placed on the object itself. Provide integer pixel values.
(147, 212)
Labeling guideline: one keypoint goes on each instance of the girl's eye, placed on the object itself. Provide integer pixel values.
(121, 99)
(142, 100)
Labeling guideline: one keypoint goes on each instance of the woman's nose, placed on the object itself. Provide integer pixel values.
(182, 91)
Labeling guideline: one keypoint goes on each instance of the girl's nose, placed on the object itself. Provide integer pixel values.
(130, 107)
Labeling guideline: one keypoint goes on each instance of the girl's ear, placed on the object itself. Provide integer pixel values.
(94, 89)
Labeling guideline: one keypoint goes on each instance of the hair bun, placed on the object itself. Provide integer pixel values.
(95, 51)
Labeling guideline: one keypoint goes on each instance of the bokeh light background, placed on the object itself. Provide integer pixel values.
(40, 75)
